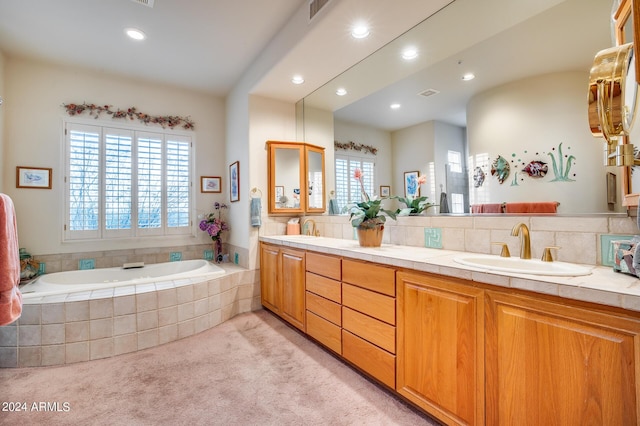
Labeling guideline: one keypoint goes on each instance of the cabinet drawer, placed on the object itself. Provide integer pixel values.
(377, 332)
(325, 287)
(324, 332)
(321, 264)
(370, 358)
(370, 276)
(373, 304)
(325, 308)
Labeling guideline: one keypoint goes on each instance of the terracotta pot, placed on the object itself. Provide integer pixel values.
(370, 236)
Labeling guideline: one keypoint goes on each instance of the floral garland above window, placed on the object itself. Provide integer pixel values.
(355, 146)
(170, 121)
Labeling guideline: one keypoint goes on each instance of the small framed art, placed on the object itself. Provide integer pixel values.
(210, 184)
(33, 177)
(279, 193)
(411, 187)
(234, 181)
(385, 191)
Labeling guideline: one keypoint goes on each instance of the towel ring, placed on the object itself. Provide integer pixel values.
(255, 191)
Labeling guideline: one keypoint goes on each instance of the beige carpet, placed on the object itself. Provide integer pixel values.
(251, 370)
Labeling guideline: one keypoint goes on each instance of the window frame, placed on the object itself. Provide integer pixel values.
(349, 178)
(101, 127)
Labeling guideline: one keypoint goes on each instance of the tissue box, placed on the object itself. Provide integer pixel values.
(293, 229)
(623, 251)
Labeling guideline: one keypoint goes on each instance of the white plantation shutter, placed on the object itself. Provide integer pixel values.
(83, 182)
(149, 182)
(117, 179)
(125, 183)
(347, 188)
(178, 182)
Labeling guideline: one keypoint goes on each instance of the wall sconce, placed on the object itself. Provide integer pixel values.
(612, 101)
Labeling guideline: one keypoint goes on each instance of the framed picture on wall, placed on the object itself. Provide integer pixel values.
(279, 193)
(385, 191)
(33, 177)
(411, 187)
(234, 181)
(210, 184)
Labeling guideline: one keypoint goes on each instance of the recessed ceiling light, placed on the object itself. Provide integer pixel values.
(360, 31)
(394, 106)
(409, 53)
(468, 76)
(341, 91)
(135, 34)
(297, 79)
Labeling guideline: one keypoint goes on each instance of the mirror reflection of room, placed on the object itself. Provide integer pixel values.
(515, 135)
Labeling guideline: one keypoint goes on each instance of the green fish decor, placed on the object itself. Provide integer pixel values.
(500, 168)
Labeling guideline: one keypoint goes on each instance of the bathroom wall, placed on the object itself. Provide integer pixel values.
(528, 120)
(33, 135)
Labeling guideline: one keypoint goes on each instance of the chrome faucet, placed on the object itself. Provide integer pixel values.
(525, 241)
(310, 231)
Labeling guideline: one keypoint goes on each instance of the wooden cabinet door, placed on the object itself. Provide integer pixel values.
(440, 353)
(270, 291)
(549, 363)
(292, 308)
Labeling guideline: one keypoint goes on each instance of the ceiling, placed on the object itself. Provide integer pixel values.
(205, 45)
(549, 36)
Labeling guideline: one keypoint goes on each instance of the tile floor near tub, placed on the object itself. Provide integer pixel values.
(104, 323)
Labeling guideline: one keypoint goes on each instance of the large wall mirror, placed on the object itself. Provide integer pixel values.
(526, 109)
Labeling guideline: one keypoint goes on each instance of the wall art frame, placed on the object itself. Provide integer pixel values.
(234, 181)
(211, 184)
(34, 177)
(411, 187)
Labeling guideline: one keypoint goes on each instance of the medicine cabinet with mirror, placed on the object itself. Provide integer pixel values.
(527, 104)
(296, 178)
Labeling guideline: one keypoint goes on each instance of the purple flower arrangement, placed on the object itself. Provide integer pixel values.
(213, 224)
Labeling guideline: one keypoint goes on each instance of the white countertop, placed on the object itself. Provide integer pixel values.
(602, 286)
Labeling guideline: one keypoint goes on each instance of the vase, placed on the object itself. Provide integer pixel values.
(217, 250)
(370, 235)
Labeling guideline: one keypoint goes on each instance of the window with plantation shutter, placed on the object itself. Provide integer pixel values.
(347, 188)
(126, 183)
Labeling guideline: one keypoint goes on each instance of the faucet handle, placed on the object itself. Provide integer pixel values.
(546, 254)
(505, 249)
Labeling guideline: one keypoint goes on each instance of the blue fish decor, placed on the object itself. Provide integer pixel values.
(500, 168)
(536, 169)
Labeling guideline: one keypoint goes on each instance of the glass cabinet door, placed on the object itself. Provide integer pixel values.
(315, 179)
(296, 178)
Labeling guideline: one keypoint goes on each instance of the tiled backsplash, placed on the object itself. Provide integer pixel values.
(578, 236)
(113, 258)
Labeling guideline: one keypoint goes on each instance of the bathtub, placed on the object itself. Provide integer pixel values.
(79, 316)
(103, 278)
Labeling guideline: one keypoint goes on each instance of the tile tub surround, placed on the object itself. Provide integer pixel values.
(578, 236)
(83, 326)
(603, 286)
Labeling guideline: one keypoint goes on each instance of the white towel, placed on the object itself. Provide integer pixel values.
(256, 207)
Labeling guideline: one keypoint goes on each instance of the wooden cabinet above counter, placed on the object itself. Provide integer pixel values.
(467, 352)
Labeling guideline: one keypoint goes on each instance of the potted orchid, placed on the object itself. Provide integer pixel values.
(368, 215)
(414, 203)
(214, 225)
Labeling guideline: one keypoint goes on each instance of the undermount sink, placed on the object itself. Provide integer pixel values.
(523, 266)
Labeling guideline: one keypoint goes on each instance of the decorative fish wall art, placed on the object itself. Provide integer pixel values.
(536, 169)
(478, 177)
(500, 168)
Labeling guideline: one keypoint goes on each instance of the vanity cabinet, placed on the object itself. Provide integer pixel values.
(282, 283)
(324, 300)
(462, 351)
(296, 176)
(369, 319)
(440, 346)
(555, 363)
